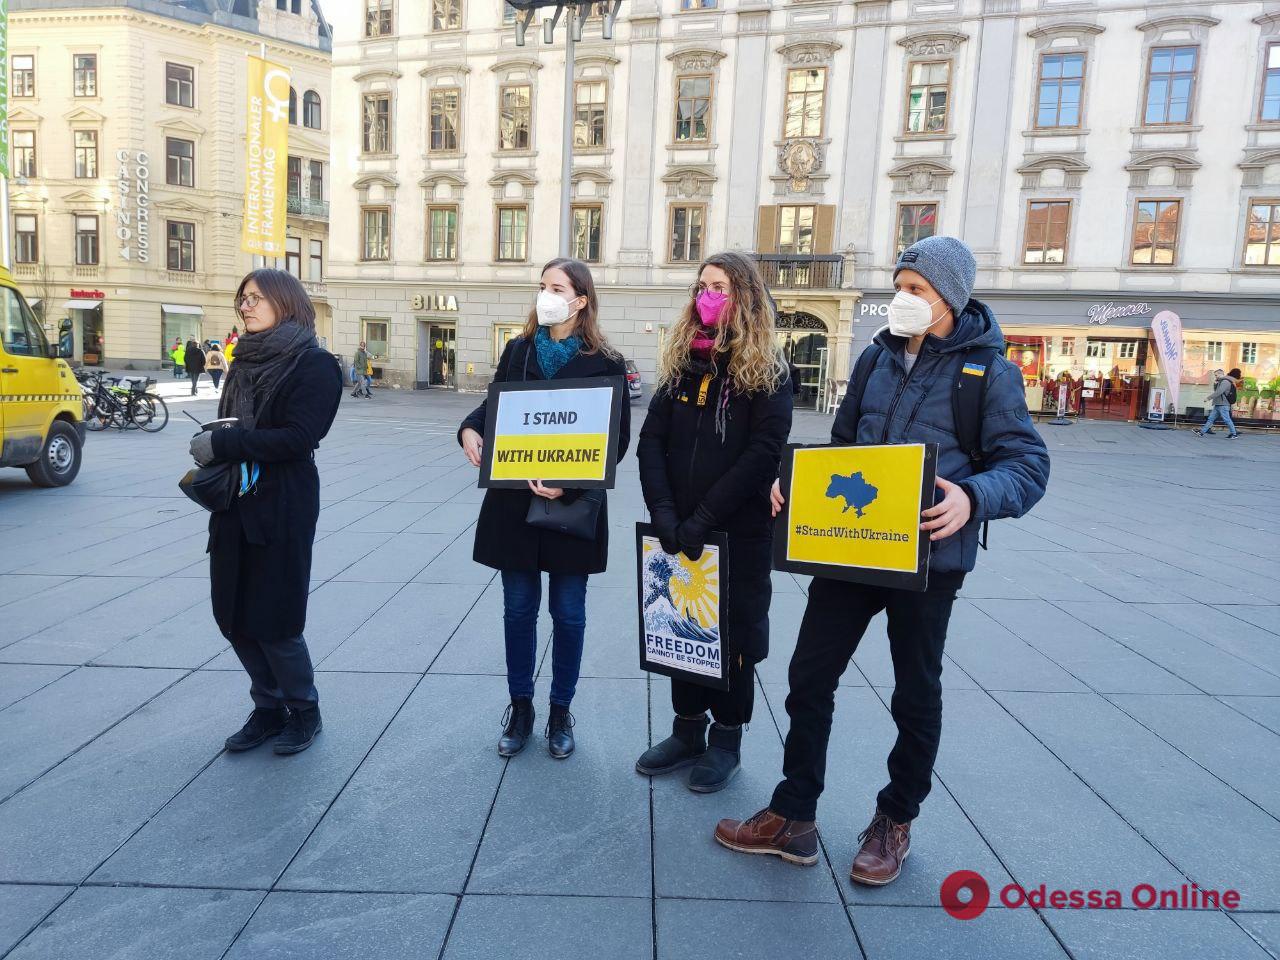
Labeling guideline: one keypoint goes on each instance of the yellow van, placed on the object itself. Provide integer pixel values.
(41, 404)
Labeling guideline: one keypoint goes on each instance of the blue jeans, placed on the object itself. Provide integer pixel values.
(1221, 412)
(567, 601)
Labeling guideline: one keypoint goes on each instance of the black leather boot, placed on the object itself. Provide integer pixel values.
(559, 732)
(262, 725)
(686, 745)
(517, 724)
(300, 732)
(720, 763)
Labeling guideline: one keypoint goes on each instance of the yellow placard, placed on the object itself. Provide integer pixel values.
(565, 456)
(266, 159)
(856, 507)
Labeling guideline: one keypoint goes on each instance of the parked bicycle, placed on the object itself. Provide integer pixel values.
(121, 402)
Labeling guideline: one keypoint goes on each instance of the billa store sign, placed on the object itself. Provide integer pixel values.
(853, 513)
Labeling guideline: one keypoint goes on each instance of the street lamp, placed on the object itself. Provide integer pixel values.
(575, 13)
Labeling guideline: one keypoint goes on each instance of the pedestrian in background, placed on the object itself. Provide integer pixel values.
(193, 360)
(361, 373)
(178, 356)
(1225, 387)
(216, 364)
(284, 392)
(561, 340)
(709, 452)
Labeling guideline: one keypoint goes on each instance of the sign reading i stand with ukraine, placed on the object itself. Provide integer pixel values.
(853, 513)
(565, 435)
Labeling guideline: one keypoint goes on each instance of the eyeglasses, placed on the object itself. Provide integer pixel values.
(249, 300)
(699, 287)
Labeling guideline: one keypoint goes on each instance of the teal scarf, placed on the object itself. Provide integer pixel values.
(554, 354)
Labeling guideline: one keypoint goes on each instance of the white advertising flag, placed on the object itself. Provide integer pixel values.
(1166, 328)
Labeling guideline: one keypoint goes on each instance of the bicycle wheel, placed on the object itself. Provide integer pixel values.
(157, 413)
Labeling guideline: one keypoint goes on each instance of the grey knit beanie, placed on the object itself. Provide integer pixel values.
(948, 265)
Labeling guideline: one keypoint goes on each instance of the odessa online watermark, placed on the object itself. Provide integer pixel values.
(1144, 896)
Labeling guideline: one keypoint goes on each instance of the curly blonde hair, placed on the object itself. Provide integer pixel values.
(745, 331)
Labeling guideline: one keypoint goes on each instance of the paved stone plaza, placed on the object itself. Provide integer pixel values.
(1112, 719)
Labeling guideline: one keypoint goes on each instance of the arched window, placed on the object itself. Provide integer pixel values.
(293, 107)
(311, 110)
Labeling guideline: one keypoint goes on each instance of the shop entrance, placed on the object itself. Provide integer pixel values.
(82, 330)
(437, 350)
(803, 339)
(1105, 375)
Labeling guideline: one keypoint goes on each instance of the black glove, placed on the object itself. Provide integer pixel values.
(665, 520)
(202, 448)
(692, 534)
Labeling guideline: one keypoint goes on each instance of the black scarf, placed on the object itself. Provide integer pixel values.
(262, 363)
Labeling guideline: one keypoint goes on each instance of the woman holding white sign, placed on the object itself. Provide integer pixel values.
(561, 341)
(709, 452)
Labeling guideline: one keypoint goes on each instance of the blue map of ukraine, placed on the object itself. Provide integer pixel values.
(857, 493)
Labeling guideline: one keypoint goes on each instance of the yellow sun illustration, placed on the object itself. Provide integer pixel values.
(695, 589)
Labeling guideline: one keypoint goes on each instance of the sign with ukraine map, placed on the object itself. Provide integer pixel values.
(853, 513)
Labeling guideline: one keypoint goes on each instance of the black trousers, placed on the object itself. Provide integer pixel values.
(280, 671)
(728, 707)
(835, 619)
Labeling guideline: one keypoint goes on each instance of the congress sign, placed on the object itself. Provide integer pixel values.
(853, 513)
(563, 432)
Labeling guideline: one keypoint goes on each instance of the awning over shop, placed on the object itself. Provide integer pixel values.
(182, 308)
(82, 305)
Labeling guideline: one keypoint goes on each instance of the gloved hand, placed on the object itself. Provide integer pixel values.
(664, 518)
(692, 533)
(202, 448)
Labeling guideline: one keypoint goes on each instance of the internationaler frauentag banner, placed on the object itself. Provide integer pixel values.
(266, 159)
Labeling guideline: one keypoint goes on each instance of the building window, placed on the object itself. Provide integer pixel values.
(1262, 234)
(693, 109)
(1248, 351)
(1068, 347)
(504, 333)
(24, 153)
(915, 222)
(446, 14)
(513, 233)
(377, 123)
(316, 272)
(805, 91)
(376, 233)
(293, 107)
(928, 96)
(795, 230)
(311, 110)
(84, 74)
(591, 100)
(180, 162)
(377, 18)
(515, 118)
(182, 246)
(697, 4)
(686, 233)
(375, 338)
(442, 233)
(1097, 350)
(587, 226)
(1155, 232)
(1061, 85)
(446, 107)
(1047, 224)
(22, 74)
(179, 85)
(1128, 350)
(315, 186)
(86, 146)
(508, 13)
(293, 178)
(26, 246)
(86, 240)
(1170, 85)
(1213, 350)
(289, 6)
(293, 256)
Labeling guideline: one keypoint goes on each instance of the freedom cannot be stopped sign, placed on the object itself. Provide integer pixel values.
(565, 435)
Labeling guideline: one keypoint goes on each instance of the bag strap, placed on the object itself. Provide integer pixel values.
(866, 362)
(968, 397)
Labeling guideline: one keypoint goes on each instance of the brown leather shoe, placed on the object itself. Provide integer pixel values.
(885, 846)
(795, 841)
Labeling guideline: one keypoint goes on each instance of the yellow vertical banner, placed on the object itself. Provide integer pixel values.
(266, 159)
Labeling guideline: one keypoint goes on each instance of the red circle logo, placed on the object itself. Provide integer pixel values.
(979, 894)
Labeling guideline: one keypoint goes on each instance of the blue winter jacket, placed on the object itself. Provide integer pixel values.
(898, 407)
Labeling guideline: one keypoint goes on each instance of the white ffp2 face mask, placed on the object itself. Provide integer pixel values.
(552, 309)
(909, 315)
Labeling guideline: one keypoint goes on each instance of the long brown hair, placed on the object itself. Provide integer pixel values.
(285, 294)
(586, 324)
(745, 330)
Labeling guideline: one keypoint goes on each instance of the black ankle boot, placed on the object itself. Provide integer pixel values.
(559, 732)
(720, 763)
(686, 745)
(300, 732)
(263, 724)
(517, 724)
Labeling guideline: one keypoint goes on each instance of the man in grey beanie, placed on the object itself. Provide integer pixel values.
(905, 389)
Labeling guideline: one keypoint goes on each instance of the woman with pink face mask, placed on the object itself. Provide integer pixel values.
(709, 452)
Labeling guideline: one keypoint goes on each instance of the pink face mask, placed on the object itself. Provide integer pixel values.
(711, 304)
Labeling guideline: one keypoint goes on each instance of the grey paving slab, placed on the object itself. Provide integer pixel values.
(1263, 927)
(22, 908)
(907, 933)
(394, 517)
(338, 551)
(611, 647)
(188, 639)
(478, 645)
(398, 560)
(551, 928)
(38, 732)
(449, 519)
(1142, 934)
(1263, 710)
(874, 662)
(344, 514)
(694, 929)
(31, 615)
(18, 680)
(576, 826)
(123, 924)
(996, 659)
(340, 926)
(243, 819)
(21, 586)
(454, 565)
(1267, 617)
(411, 818)
(1223, 630)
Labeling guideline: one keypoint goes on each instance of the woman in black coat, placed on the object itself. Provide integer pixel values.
(284, 391)
(709, 452)
(560, 341)
(193, 360)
